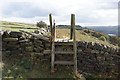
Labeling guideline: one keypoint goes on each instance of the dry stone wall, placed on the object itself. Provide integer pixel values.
(17, 42)
(93, 58)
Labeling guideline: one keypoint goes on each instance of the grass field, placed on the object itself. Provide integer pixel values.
(15, 26)
(65, 33)
(25, 66)
(61, 33)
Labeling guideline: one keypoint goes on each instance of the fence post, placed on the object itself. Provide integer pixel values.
(71, 27)
(74, 41)
(50, 19)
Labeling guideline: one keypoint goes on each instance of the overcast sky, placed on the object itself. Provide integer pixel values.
(88, 12)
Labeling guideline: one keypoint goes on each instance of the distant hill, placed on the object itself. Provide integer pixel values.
(110, 30)
(78, 27)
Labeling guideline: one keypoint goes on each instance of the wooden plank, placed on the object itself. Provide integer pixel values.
(64, 52)
(63, 40)
(64, 62)
(63, 43)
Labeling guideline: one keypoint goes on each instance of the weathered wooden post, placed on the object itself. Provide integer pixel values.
(53, 48)
(52, 43)
(71, 28)
(74, 41)
(54, 30)
(50, 19)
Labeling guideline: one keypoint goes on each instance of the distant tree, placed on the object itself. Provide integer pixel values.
(102, 38)
(42, 24)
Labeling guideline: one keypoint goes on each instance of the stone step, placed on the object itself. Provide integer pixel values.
(64, 62)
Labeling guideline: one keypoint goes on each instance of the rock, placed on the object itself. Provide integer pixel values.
(90, 45)
(6, 34)
(97, 46)
(10, 39)
(95, 51)
(15, 34)
(1, 32)
(29, 49)
(41, 31)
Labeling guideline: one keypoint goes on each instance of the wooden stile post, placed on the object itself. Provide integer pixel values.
(54, 30)
(53, 48)
(52, 42)
(71, 28)
(74, 41)
(50, 19)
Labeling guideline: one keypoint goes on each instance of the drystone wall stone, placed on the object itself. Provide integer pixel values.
(99, 59)
(92, 58)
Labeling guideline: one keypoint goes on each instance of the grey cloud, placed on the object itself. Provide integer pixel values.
(108, 5)
(24, 10)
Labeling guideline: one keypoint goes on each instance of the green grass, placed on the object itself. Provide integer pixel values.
(61, 33)
(17, 29)
(15, 26)
(39, 67)
(81, 37)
